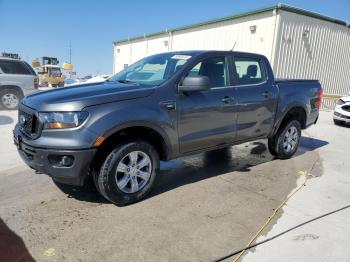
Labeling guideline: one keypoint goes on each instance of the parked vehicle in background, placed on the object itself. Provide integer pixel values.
(160, 108)
(342, 111)
(50, 73)
(98, 78)
(17, 79)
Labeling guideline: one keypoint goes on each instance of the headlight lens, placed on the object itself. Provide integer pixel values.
(60, 120)
(340, 102)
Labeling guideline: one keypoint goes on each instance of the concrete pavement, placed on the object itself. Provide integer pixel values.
(202, 207)
(9, 159)
(326, 239)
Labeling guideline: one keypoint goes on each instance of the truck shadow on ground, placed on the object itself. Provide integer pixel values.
(5, 120)
(215, 163)
(192, 169)
(12, 246)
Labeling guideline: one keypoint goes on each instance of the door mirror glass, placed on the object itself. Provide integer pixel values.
(194, 83)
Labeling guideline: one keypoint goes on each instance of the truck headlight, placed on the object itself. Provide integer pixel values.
(60, 120)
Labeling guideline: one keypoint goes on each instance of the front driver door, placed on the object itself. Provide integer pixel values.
(206, 118)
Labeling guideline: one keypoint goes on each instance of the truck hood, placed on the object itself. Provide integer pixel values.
(77, 97)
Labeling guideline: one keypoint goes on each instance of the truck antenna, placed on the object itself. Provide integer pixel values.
(234, 45)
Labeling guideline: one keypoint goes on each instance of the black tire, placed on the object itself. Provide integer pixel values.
(13, 93)
(107, 176)
(338, 122)
(271, 146)
(277, 142)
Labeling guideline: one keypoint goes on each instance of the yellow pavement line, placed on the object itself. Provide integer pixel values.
(272, 216)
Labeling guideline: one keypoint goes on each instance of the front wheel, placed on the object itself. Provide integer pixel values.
(128, 173)
(285, 143)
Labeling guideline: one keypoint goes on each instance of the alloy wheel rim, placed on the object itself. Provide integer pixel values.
(290, 139)
(133, 172)
(10, 100)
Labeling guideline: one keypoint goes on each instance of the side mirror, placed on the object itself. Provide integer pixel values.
(194, 83)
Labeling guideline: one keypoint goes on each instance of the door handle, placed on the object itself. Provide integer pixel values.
(266, 94)
(227, 100)
(168, 105)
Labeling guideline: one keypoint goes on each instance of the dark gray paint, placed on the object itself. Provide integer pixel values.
(188, 122)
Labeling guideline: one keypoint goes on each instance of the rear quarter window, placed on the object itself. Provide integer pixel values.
(15, 67)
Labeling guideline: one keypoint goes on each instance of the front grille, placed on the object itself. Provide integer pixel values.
(27, 122)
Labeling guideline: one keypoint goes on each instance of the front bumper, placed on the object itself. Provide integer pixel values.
(340, 116)
(45, 161)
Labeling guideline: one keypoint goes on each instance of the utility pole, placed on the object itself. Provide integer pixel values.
(70, 52)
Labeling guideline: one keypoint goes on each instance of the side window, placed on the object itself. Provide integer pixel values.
(214, 68)
(179, 64)
(249, 71)
(32, 72)
(14, 67)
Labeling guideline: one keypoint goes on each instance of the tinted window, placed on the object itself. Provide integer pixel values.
(30, 68)
(214, 68)
(249, 71)
(14, 67)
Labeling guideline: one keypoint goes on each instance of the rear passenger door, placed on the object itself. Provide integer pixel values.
(256, 98)
(206, 118)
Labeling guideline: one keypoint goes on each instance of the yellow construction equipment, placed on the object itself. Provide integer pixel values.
(50, 74)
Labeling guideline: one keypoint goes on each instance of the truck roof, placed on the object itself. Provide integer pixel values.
(9, 58)
(219, 52)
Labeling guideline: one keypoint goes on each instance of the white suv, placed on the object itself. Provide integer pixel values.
(342, 111)
(17, 79)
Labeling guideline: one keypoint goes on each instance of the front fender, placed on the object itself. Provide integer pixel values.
(107, 119)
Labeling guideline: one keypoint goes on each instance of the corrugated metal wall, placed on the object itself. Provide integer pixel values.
(224, 35)
(310, 48)
(298, 46)
(216, 36)
(128, 53)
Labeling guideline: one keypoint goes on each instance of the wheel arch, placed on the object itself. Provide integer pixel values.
(133, 131)
(295, 112)
(12, 87)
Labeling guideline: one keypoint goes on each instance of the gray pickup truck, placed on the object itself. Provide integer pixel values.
(160, 108)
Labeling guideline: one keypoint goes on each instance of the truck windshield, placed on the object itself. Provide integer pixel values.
(55, 72)
(152, 70)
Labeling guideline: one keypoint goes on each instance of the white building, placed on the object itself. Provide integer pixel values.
(298, 43)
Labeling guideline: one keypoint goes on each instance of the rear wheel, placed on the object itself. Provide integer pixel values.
(128, 173)
(9, 99)
(286, 141)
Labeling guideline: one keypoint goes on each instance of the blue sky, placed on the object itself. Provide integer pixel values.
(34, 28)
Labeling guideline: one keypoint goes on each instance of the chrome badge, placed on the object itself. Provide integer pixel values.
(22, 120)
